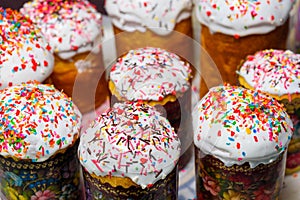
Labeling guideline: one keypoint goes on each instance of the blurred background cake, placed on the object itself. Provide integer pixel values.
(99, 6)
(130, 152)
(241, 137)
(231, 30)
(161, 79)
(277, 73)
(74, 31)
(25, 53)
(159, 23)
(18, 4)
(38, 143)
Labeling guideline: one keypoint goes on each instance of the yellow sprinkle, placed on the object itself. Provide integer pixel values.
(248, 131)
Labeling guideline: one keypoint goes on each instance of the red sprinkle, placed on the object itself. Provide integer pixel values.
(208, 13)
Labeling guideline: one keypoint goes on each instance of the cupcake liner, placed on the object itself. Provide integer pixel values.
(293, 152)
(214, 180)
(55, 178)
(163, 189)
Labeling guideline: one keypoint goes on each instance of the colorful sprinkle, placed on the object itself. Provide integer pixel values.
(261, 121)
(150, 74)
(145, 146)
(70, 26)
(276, 72)
(23, 50)
(240, 18)
(155, 15)
(33, 124)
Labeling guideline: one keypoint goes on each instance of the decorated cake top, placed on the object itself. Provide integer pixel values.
(243, 17)
(36, 121)
(70, 26)
(150, 74)
(276, 72)
(130, 140)
(159, 16)
(238, 125)
(24, 52)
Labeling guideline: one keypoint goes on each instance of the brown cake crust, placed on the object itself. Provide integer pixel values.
(227, 52)
(178, 41)
(87, 87)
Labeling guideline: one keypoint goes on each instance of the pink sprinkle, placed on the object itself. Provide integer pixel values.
(96, 163)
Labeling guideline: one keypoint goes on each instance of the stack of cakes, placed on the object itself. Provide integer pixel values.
(74, 31)
(161, 79)
(230, 30)
(277, 73)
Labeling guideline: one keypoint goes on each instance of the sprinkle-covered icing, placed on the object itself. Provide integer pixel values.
(36, 121)
(238, 125)
(24, 52)
(70, 26)
(273, 71)
(130, 140)
(159, 16)
(243, 17)
(150, 74)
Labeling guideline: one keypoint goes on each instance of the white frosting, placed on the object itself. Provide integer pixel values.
(71, 27)
(150, 74)
(36, 121)
(25, 54)
(237, 125)
(243, 17)
(159, 16)
(272, 71)
(130, 140)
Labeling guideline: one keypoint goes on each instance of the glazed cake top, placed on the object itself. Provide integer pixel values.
(71, 27)
(150, 74)
(36, 121)
(130, 140)
(243, 17)
(276, 72)
(159, 16)
(238, 125)
(25, 54)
